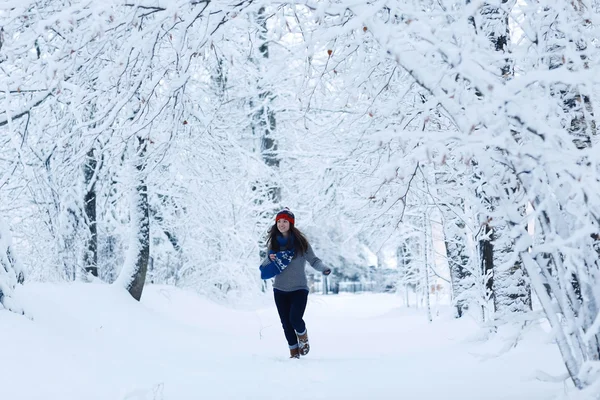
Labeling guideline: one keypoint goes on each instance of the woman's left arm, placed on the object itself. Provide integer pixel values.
(316, 262)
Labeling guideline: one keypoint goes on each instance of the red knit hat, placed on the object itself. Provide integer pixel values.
(285, 214)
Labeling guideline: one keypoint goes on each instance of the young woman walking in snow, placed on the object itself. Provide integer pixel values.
(288, 252)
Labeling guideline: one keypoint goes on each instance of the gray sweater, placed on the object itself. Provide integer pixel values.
(293, 276)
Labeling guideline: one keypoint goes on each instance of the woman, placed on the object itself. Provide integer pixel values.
(288, 252)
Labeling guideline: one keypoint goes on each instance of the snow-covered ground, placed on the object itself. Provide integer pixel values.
(92, 341)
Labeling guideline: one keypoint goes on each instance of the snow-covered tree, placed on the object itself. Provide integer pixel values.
(11, 272)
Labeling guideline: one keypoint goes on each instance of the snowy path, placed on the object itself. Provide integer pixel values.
(92, 342)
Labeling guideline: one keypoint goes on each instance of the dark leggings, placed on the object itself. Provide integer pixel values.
(291, 306)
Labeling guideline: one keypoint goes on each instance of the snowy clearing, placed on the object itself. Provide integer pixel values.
(92, 341)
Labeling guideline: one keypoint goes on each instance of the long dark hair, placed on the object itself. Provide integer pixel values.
(300, 241)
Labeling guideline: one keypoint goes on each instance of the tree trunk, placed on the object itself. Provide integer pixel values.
(578, 115)
(486, 248)
(426, 261)
(564, 284)
(569, 307)
(511, 287)
(264, 123)
(460, 277)
(133, 275)
(10, 271)
(91, 253)
(263, 128)
(506, 281)
(572, 360)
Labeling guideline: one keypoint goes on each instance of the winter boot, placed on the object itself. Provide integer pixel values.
(295, 352)
(303, 343)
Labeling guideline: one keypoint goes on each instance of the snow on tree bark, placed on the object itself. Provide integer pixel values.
(90, 177)
(11, 272)
(460, 277)
(508, 286)
(264, 122)
(133, 274)
(564, 48)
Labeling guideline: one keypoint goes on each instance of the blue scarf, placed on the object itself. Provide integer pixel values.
(269, 268)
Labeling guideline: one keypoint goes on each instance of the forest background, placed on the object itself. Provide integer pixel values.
(426, 147)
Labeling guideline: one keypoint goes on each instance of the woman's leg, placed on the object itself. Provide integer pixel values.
(283, 301)
(297, 308)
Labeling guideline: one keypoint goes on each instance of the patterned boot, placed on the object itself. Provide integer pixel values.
(303, 343)
(295, 352)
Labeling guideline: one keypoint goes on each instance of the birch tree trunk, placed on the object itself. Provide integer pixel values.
(566, 284)
(426, 261)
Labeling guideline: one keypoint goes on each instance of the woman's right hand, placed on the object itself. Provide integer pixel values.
(272, 257)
